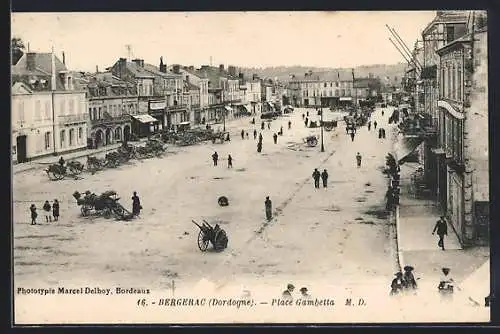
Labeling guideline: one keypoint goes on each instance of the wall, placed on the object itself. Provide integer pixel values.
(71, 105)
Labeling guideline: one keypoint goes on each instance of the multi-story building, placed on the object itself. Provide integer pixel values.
(178, 103)
(111, 103)
(49, 115)
(254, 94)
(463, 134)
(333, 88)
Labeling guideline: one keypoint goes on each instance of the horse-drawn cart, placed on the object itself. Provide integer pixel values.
(105, 204)
(209, 234)
(221, 137)
(58, 171)
(311, 141)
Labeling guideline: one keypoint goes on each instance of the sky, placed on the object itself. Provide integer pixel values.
(249, 39)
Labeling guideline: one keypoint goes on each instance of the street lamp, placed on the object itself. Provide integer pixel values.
(322, 143)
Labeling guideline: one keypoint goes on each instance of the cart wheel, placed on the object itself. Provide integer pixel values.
(56, 176)
(202, 243)
(106, 213)
(119, 211)
(85, 210)
(51, 175)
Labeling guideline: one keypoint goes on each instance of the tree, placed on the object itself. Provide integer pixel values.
(17, 47)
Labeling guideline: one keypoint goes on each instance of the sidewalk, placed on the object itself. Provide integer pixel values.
(45, 161)
(415, 219)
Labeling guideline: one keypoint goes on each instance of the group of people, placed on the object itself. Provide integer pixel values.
(403, 281)
(317, 175)
(290, 288)
(215, 159)
(50, 211)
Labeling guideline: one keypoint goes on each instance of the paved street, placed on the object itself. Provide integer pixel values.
(316, 232)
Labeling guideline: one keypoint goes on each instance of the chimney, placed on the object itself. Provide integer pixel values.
(221, 67)
(53, 71)
(139, 62)
(97, 69)
(163, 67)
(30, 61)
(64, 58)
(177, 68)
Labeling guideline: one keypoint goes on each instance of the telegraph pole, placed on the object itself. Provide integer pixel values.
(322, 143)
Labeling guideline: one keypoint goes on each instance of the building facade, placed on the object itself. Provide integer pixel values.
(49, 114)
(254, 94)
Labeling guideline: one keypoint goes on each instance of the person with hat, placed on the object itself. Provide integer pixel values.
(316, 175)
(304, 294)
(287, 294)
(269, 208)
(442, 229)
(55, 209)
(47, 208)
(408, 278)
(34, 214)
(397, 284)
(324, 177)
(446, 283)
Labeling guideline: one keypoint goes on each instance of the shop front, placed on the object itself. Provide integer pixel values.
(143, 125)
(157, 110)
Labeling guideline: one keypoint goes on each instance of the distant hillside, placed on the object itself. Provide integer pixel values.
(283, 73)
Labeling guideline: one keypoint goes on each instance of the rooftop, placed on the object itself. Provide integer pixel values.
(340, 75)
(41, 71)
(449, 16)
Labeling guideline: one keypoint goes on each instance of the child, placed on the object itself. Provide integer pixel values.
(46, 208)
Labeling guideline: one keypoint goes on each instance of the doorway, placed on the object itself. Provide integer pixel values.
(21, 149)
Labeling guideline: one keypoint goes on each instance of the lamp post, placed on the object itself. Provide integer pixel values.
(322, 143)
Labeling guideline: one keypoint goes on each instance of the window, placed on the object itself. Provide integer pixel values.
(448, 83)
(100, 113)
(324, 85)
(441, 84)
(61, 106)
(62, 137)
(459, 83)
(450, 34)
(336, 84)
(342, 92)
(348, 92)
(453, 83)
(38, 110)
(71, 106)
(71, 137)
(337, 92)
(459, 142)
(47, 140)
(47, 110)
(80, 133)
(95, 114)
(331, 84)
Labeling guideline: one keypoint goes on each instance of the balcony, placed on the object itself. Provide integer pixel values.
(418, 126)
(72, 119)
(177, 106)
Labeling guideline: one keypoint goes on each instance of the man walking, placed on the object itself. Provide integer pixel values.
(34, 214)
(316, 175)
(229, 161)
(215, 157)
(442, 229)
(55, 209)
(136, 204)
(47, 208)
(375, 125)
(275, 138)
(369, 125)
(352, 135)
(269, 125)
(324, 177)
(242, 134)
(289, 125)
(269, 208)
(254, 134)
(260, 137)
(358, 159)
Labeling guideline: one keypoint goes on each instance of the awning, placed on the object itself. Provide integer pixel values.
(348, 98)
(404, 146)
(145, 118)
(228, 108)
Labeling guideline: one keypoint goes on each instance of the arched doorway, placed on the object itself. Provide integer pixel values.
(126, 132)
(118, 133)
(108, 136)
(99, 138)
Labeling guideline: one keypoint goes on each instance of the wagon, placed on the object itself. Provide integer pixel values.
(221, 137)
(95, 164)
(105, 204)
(58, 172)
(311, 141)
(209, 234)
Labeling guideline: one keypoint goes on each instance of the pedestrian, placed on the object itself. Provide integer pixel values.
(242, 134)
(269, 208)
(281, 131)
(260, 137)
(262, 125)
(307, 113)
(442, 229)
(136, 204)
(215, 157)
(34, 214)
(382, 113)
(303, 116)
(269, 125)
(55, 209)
(375, 125)
(324, 177)
(62, 162)
(229, 161)
(254, 134)
(275, 138)
(304, 294)
(259, 146)
(409, 281)
(383, 133)
(289, 125)
(379, 133)
(253, 120)
(246, 134)
(352, 135)
(446, 284)
(316, 175)
(287, 294)
(358, 159)
(306, 122)
(397, 284)
(47, 208)
(369, 125)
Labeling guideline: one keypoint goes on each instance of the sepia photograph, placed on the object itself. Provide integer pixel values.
(250, 167)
